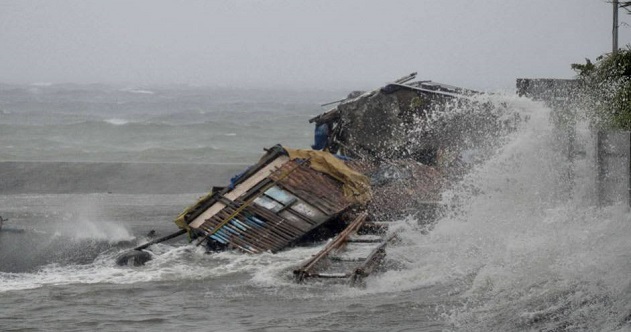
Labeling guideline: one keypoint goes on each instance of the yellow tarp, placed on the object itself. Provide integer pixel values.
(356, 186)
(181, 222)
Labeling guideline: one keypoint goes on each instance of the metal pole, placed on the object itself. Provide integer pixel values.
(162, 239)
(614, 48)
(600, 171)
(629, 170)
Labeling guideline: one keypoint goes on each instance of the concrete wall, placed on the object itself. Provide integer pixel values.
(128, 178)
(613, 167)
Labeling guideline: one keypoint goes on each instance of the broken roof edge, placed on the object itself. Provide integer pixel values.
(355, 185)
(326, 114)
(426, 86)
(192, 212)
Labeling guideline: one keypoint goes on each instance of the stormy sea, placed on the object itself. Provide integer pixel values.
(87, 171)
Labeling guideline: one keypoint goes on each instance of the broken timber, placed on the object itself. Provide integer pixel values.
(346, 257)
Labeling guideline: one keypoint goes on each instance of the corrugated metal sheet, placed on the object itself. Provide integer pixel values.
(277, 211)
(317, 188)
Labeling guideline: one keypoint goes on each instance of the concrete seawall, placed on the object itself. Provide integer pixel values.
(21, 177)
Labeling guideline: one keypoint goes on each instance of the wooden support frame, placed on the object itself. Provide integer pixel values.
(307, 268)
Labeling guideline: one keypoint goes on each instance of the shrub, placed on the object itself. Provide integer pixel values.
(606, 87)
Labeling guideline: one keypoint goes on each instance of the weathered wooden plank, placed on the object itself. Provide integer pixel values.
(307, 268)
(371, 261)
(239, 190)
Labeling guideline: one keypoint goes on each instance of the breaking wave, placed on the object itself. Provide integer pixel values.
(169, 263)
(522, 244)
(117, 121)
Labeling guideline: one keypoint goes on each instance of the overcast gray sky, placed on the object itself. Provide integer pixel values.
(483, 44)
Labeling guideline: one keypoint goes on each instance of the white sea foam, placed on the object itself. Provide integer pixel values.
(169, 263)
(42, 84)
(117, 121)
(139, 91)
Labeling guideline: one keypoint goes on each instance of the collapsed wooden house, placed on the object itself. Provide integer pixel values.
(370, 164)
(287, 196)
(293, 196)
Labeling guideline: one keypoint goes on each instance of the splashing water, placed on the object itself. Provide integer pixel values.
(169, 263)
(84, 221)
(523, 247)
(98, 230)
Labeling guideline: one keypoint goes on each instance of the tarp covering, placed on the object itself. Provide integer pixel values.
(320, 137)
(180, 221)
(356, 186)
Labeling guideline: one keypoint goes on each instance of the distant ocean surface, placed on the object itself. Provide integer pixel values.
(86, 171)
(179, 124)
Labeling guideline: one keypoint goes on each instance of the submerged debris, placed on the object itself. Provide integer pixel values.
(133, 258)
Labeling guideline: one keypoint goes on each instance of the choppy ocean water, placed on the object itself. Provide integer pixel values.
(176, 124)
(87, 171)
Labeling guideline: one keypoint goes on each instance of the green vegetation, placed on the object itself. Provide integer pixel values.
(606, 88)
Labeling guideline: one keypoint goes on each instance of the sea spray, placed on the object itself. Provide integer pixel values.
(85, 219)
(519, 250)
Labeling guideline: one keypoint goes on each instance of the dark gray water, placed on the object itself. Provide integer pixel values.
(86, 172)
(57, 257)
